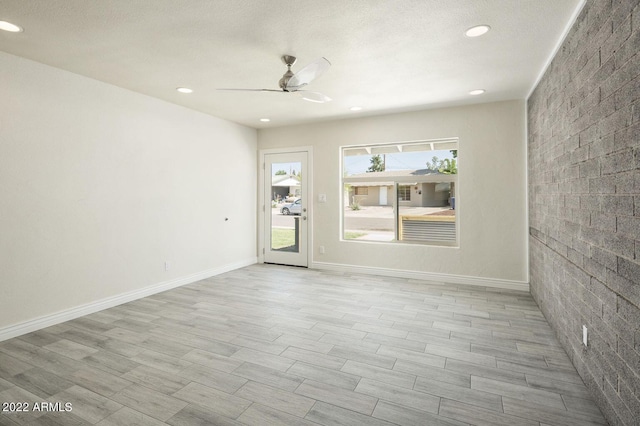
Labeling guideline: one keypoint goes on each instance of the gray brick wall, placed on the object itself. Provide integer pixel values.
(584, 201)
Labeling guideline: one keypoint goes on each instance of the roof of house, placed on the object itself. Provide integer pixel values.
(387, 177)
(284, 180)
(399, 173)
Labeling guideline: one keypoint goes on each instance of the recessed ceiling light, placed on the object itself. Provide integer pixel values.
(265, 120)
(8, 26)
(184, 90)
(477, 31)
(356, 108)
(477, 92)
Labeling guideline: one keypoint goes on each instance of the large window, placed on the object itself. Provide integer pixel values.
(401, 192)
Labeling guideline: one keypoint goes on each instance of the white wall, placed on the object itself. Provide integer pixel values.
(99, 186)
(490, 194)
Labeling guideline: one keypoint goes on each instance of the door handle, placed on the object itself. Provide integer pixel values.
(304, 209)
(304, 218)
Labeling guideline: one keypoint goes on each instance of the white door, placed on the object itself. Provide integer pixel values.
(286, 201)
(383, 195)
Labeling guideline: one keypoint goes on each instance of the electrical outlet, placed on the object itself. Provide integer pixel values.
(167, 265)
(584, 335)
(321, 249)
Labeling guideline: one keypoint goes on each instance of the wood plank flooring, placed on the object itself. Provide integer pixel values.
(273, 345)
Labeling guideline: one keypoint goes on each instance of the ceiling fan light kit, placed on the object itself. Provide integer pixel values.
(291, 82)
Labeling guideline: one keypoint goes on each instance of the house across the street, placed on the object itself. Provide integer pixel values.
(431, 188)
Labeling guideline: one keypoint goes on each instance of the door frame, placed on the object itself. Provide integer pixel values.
(262, 208)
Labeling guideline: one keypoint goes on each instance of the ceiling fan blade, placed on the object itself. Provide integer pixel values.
(253, 90)
(316, 97)
(307, 74)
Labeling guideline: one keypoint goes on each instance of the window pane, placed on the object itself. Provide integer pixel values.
(285, 206)
(428, 218)
(368, 212)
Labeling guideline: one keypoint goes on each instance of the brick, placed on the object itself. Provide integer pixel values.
(629, 270)
(603, 221)
(599, 14)
(571, 201)
(628, 355)
(592, 133)
(617, 120)
(627, 49)
(619, 244)
(590, 168)
(617, 82)
(621, 161)
(602, 185)
(617, 204)
(591, 202)
(595, 268)
(620, 34)
(623, 329)
(622, 413)
(626, 182)
(621, 10)
(605, 336)
(635, 14)
(575, 257)
(604, 257)
(603, 146)
(580, 186)
(629, 312)
(628, 397)
(623, 287)
(630, 93)
(592, 235)
(632, 379)
(580, 154)
(581, 217)
(605, 370)
(629, 226)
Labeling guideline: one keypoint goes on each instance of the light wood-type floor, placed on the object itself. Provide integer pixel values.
(273, 345)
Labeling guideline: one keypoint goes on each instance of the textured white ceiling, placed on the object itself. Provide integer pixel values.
(387, 55)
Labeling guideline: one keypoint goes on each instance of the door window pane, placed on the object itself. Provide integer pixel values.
(286, 199)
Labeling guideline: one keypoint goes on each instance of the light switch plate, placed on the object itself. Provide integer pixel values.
(322, 198)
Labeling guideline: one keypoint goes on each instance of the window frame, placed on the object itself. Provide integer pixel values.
(395, 183)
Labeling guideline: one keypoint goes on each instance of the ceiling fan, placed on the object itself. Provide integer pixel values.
(291, 82)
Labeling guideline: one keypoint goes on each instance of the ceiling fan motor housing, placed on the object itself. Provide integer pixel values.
(289, 61)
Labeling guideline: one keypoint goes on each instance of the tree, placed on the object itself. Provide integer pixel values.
(377, 164)
(454, 153)
(448, 167)
(434, 164)
(281, 172)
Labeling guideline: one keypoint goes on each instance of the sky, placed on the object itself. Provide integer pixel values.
(360, 163)
(399, 161)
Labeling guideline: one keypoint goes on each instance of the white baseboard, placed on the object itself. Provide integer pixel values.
(426, 276)
(90, 308)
